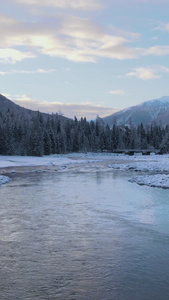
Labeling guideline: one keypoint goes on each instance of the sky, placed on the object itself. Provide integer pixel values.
(84, 58)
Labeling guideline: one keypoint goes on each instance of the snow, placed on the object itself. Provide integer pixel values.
(18, 161)
(157, 180)
(157, 166)
(55, 160)
(4, 179)
(152, 170)
(143, 166)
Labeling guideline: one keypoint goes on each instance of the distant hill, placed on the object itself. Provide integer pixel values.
(27, 132)
(7, 105)
(156, 110)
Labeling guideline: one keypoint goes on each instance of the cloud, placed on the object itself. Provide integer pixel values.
(87, 110)
(163, 27)
(157, 51)
(154, 38)
(73, 4)
(6, 95)
(116, 92)
(135, 3)
(125, 33)
(147, 73)
(42, 71)
(69, 37)
(73, 38)
(12, 56)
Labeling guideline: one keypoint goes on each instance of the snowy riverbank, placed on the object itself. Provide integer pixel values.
(4, 179)
(155, 168)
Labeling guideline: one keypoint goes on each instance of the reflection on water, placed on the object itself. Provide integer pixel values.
(83, 236)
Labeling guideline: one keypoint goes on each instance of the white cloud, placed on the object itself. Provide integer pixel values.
(12, 56)
(163, 27)
(6, 95)
(154, 38)
(42, 71)
(146, 73)
(70, 37)
(73, 4)
(116, 92)
(157, 51)
(76, 39)
(87, 109)
(125, 33)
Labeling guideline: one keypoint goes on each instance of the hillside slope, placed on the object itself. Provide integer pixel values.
(156, 110)
(7, 105)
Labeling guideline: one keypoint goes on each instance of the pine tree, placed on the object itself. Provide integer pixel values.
(36, 138)
(47, 145)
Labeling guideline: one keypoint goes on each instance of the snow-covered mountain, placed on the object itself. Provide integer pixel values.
(156, 110)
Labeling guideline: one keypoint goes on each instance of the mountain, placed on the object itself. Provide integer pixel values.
(7, 105)
(156, 110)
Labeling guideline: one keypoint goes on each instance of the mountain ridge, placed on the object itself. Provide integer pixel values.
(156, 110)
(6, 105)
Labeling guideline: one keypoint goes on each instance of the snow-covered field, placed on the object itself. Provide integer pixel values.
(153, 169)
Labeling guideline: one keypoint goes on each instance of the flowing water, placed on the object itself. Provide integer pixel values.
(83, 236)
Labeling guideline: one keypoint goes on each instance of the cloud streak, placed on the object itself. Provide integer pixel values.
(116, 92)
(68, 109)
(70, 37)
(11, 56)
(147, 73)
(163, 27)
(42, 71)
(73, 4)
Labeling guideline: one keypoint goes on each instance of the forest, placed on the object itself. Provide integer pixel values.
(37, 135)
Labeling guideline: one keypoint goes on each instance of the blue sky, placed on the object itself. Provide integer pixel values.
(84, 57)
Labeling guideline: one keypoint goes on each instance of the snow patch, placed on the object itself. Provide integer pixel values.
(156, 164)
(157, 180)
(152, 165)
(4, 179)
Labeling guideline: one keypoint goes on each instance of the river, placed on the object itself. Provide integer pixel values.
(83, 236)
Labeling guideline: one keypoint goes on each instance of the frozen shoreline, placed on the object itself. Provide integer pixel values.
(4, 179)
(156, 167)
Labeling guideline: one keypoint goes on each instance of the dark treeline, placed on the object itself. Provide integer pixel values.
(37, 136)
